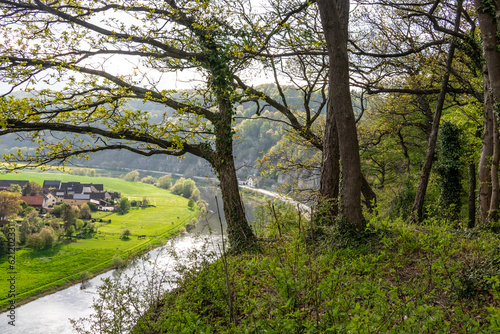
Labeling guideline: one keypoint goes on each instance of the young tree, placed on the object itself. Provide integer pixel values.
(68, 215)
(124, 205)
(9, 205)
(15, 188)
(165, 182)
(132, 176)
(85, 212)
(148, 179)
(32, 188)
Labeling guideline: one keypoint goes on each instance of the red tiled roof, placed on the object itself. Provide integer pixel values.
(33, 200)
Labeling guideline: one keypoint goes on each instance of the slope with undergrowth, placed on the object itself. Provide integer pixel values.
(395, 277)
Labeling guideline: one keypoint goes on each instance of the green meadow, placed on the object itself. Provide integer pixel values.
(38, 272)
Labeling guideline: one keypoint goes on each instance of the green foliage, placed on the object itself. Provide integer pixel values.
(178, 187)
(402, 203)
(32, 189)
(70, 231)
(191, 203)
(9, 204)
(149, 179)
(165, 182)
(408, 279)
(132, 176)
(118, 261)
(274, 219)
(85, 211)
(186, 188)
(124, 205)
(4, 244)
(43, 240)
(92, 206)
(449, 168)
(126, 234)
(79, 224)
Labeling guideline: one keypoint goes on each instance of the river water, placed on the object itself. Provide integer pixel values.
(51, 314)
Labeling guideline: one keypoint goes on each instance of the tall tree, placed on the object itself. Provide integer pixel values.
(340, 117)
(488, 13)
(74, 43)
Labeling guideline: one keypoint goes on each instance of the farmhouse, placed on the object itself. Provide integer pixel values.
(38, 202)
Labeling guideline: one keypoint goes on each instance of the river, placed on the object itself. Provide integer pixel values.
(50, 314)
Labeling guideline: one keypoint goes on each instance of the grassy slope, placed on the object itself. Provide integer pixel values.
(397, 278)
(39, 271)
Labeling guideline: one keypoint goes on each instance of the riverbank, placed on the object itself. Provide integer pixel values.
(39, 273)
(394, 277)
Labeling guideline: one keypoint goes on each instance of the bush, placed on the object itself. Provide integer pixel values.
(126, 234)
(186, 188)
(132, 176)
(124, 205)
(178, 187)
(118, 262)
(79, 224)
(164, 182)
(191, 203)
(43, 240)
(35, 241)
(148, 179)
(85, 212)
(92, 206)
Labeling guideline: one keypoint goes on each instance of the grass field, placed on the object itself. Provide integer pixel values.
(41, 271)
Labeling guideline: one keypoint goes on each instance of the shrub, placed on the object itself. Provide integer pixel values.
(148, 179)
(164, 182)
(35, 241)
(43, 240)
(118, 262)
(85, 212)
(79, 224)
(132, 176)
(126, 234)
(92, 206)
(124, 205)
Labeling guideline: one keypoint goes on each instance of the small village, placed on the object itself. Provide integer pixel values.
(57, 192)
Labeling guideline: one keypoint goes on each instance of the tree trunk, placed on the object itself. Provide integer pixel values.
(495, 187)
(335, 18)
(472, 195)
(484, 169)
(418, 204)
(489, 23)
(240, 235)
(330, 168)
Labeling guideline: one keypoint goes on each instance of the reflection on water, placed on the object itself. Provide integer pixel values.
(50, 314)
